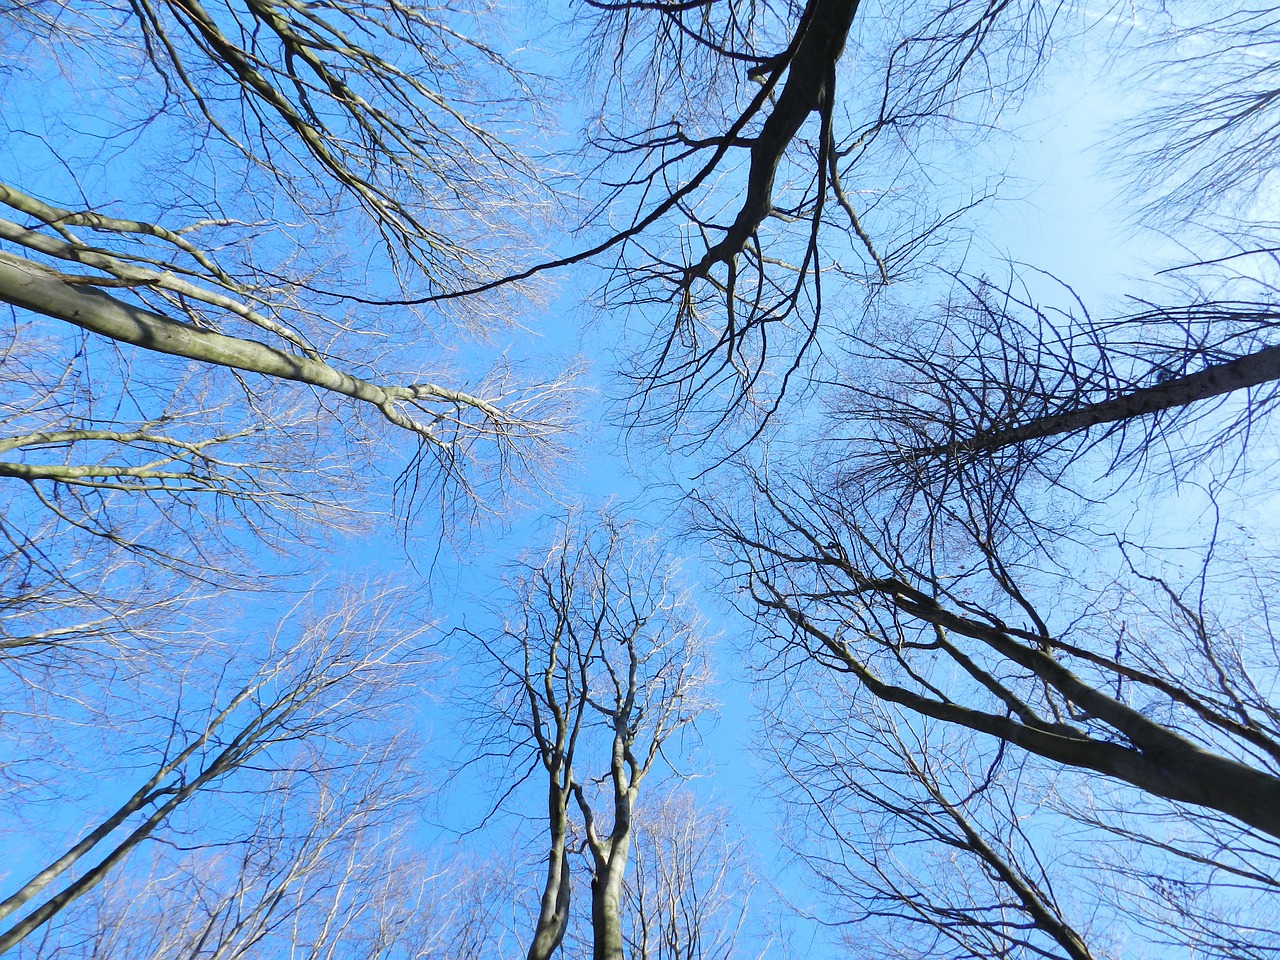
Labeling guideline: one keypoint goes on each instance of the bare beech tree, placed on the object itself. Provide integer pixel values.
(308, 704)
(212, 223)
(226, 903)
(922, 843)
(243, 247)
(690, 893)
(347, 886)
(834, 107)
(936, 550)
(926, 555)
(602, 662)
(951, 538)
(750, 159)
(863, 601)
(952, 621)
(358, 118)
(997, 394)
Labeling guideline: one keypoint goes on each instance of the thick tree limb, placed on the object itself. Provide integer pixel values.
(809, 86)
(1159, 761)
(41, 290)
(1217, 380)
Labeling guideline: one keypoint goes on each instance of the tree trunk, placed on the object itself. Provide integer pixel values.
(606, 900)
(553, 914)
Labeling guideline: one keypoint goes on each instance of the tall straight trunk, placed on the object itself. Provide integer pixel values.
(606, 899)
(553, 913)
(1242, 373)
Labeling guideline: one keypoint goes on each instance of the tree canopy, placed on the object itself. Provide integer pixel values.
(327, 632)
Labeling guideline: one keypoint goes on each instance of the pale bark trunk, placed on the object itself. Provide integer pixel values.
(553, 912)
(606, 901)
(36, 288)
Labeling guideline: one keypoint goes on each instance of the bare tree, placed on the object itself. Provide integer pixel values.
(952, 539)
(204, 374)
(691, 892)
(1136, 683)
(996, 395)
(319, 125)
(306, 705)
(602, 662)
(883, 610)
(189, 440)
(822, 149)
(1202, 150)
(348, 885)
(204, 361)
(750, 158)
(921, 843)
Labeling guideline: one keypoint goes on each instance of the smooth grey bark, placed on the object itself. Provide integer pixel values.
(319, 682)
(1155, 759)
(606, 907)
(609, 854)
(609, 858)
(44, 291)
(553, 910)
(603, 645)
